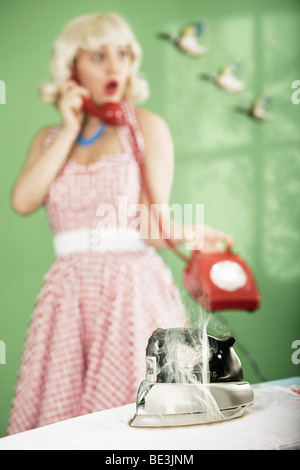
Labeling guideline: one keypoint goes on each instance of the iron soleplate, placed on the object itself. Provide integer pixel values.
(174, 404)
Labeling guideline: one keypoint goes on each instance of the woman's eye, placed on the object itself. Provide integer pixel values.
(122, 53)
(98, 56)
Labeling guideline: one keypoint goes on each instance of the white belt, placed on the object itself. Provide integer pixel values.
(107, 239)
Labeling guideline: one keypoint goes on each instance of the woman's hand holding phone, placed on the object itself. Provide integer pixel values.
(70, 104)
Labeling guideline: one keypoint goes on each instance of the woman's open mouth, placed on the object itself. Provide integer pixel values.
(111, 87)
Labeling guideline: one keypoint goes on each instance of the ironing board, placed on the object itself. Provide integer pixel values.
(273, 422)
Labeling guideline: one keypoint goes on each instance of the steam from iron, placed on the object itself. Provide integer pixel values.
(183, 359)
(180, 388)
(187, 365)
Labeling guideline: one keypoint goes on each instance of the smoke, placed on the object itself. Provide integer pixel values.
(193, 376)
(184, 355)
(178, 359)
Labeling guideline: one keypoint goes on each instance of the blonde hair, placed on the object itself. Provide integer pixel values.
(90, 32)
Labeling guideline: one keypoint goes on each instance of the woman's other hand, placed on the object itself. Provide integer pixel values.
(207, 239)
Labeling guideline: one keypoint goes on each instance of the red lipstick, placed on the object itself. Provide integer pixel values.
(111, 87)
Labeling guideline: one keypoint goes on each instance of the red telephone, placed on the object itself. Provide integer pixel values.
(221, 281)
(110, 113)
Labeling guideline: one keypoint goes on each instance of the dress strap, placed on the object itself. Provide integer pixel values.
(51, 136)
(133, 137)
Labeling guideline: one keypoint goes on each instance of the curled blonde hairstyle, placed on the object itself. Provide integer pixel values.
(91, 32)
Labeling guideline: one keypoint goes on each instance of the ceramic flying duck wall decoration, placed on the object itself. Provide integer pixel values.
(258, 110)
(227, 78)
(187, 40)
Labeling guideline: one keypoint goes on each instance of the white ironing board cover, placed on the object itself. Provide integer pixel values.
(273, 422)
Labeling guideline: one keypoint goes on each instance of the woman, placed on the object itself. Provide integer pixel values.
(105, 294)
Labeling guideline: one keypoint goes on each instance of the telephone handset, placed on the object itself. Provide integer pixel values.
(110, 113)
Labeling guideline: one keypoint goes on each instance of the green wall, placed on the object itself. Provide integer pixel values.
(246, 173)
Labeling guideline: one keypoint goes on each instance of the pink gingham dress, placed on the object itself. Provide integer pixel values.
(85, 350)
